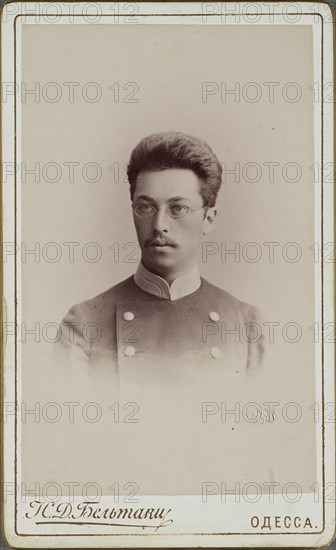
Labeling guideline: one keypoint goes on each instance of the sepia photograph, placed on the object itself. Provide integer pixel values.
(168, 256)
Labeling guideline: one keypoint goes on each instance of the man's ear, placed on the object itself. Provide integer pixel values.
(209, 220)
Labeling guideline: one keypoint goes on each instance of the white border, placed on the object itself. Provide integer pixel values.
(10, 11)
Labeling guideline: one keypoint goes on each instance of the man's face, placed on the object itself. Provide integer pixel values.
(170, 245)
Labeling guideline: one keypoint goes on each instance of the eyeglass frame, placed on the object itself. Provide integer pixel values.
(155, 210)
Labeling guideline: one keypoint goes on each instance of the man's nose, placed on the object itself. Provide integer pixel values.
(161, 220)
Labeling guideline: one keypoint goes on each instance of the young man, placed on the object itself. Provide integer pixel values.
(165, 322)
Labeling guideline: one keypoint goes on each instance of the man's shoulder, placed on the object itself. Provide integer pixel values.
(116, 292)
(225, 300)
(102, 306)
(125, 290)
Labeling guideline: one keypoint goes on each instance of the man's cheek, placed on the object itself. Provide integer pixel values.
(142, 235)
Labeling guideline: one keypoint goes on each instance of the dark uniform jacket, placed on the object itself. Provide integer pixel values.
(138, 336)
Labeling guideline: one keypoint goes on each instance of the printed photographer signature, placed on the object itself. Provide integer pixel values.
(67, 513)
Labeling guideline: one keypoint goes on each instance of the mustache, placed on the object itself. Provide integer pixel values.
(159, 241)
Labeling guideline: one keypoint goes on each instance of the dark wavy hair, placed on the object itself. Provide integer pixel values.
(177, 150)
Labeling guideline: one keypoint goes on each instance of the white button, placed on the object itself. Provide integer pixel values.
(128, 316)
(215, 353)
(129, 351)
(214, 316)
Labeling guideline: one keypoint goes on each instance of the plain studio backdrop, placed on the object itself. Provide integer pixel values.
(165, 68)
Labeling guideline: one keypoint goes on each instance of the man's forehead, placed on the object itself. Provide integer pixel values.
(170, 199)
(168, 184)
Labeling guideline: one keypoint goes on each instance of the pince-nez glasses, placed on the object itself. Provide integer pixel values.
(175, 211)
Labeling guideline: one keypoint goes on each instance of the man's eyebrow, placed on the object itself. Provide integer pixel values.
(174, 199)
(146, 198)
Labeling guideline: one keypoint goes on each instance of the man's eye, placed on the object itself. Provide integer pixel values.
(144, 208)
(178, 209)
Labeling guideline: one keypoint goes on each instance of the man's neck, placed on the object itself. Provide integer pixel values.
(170, 277)
(180, 285)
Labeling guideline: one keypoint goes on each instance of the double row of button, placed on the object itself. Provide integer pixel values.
(129, 351)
